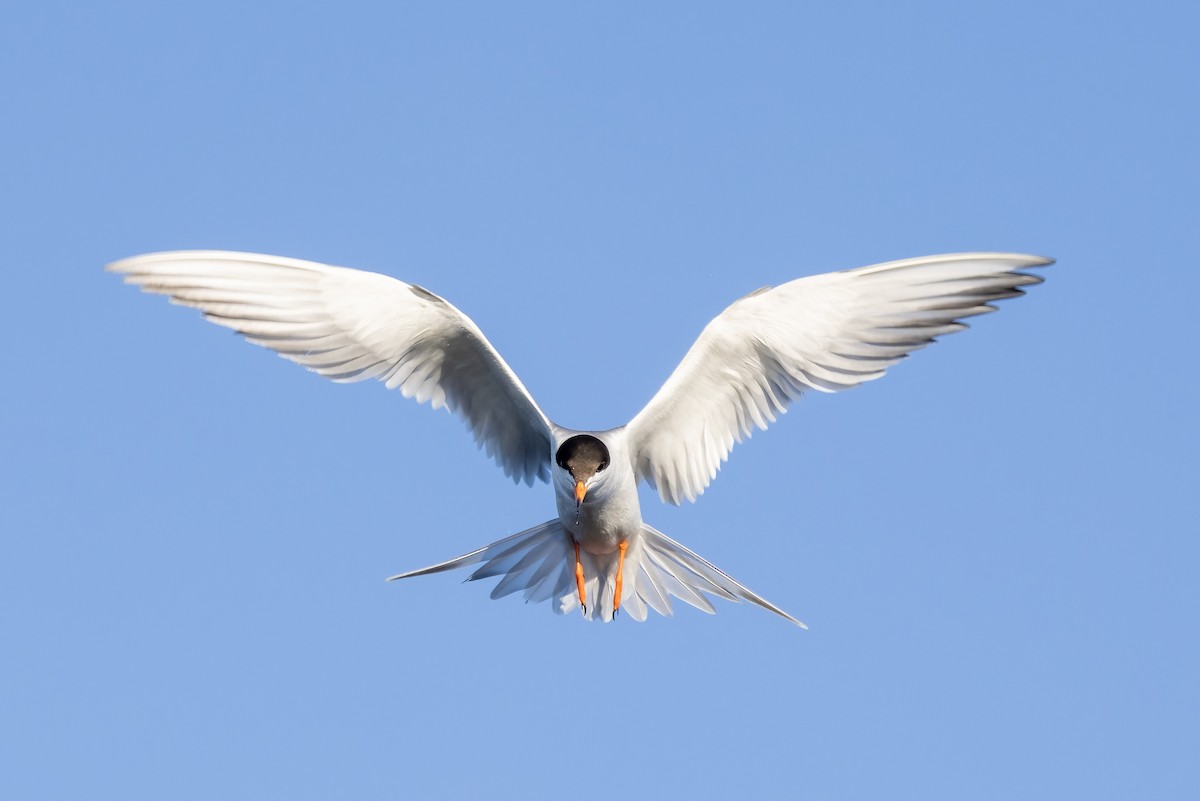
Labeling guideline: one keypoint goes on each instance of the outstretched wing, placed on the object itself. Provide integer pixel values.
(825, 332)
(350, 325)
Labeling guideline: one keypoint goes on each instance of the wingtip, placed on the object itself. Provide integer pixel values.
(1030, 259)
(118, 266)
(127, 264)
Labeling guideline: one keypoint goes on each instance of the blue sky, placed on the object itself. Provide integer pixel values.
(994, 546)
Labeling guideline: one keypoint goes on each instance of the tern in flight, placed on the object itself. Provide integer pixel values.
(825, 332)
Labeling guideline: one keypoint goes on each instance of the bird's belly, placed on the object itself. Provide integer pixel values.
(599, 528)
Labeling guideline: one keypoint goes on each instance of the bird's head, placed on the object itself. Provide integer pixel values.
(584, 459)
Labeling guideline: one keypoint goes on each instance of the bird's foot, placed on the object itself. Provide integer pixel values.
(579, 581)
(620, 567)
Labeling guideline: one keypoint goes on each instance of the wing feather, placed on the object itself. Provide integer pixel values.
(349, 325)
(825, 332)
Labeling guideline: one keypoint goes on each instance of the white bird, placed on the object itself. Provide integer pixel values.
(825, 332)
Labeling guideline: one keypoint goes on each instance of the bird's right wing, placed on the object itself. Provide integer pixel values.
(825, 332)
(350, 325)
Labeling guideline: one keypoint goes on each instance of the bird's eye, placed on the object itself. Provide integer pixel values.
(603, 465)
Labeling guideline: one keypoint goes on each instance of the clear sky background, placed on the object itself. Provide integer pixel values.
(995, 546)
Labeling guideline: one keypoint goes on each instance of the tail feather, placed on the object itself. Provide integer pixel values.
(654, 596)
(506, 559)
(669, 583)
(524, 574)
(696, 574)
(540, 580)
(554, 586)
(526, 560)
(540, 562)
(497, 549)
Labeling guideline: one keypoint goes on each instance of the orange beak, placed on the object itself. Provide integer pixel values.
(580, 491)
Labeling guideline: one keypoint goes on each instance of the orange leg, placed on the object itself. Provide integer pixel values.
(620, 567)
(579, 580)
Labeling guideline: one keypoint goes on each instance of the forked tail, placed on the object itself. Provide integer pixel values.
(539, 562)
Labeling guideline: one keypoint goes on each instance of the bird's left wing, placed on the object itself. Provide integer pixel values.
(350, 325)
(825, 332)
